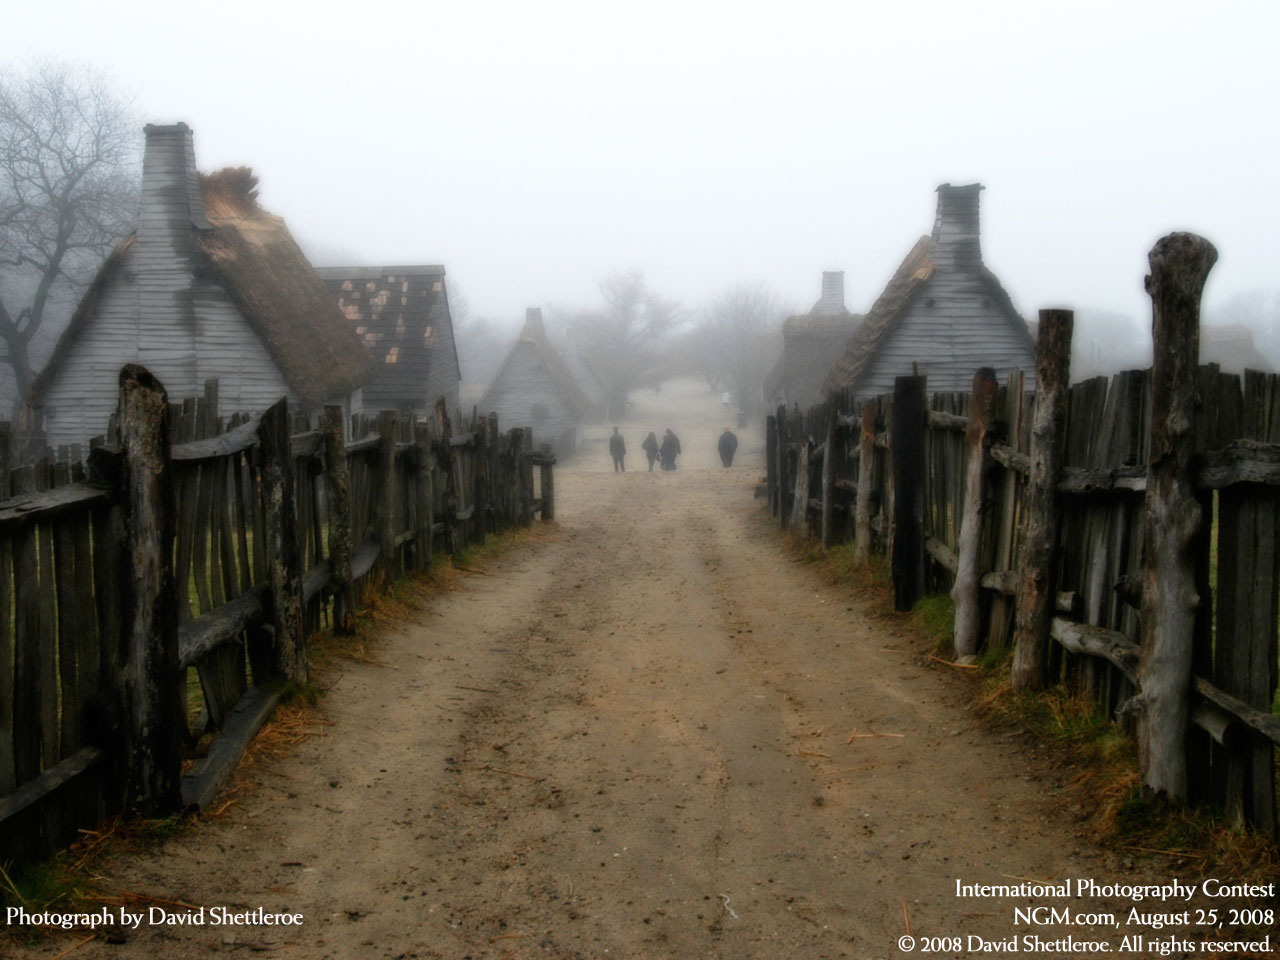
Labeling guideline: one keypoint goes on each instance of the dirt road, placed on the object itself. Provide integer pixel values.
(630, 738)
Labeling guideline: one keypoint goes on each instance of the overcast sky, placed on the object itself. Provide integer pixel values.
(532, 148)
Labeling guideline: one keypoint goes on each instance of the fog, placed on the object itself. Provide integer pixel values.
(534, 149)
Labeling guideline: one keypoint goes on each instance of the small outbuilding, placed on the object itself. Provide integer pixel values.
(811, 344)
(943, 313)
(535, 388)
(210, 286)
(401, 315)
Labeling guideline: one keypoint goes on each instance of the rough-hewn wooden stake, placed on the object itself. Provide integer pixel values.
(783, 479)
(424, 496)
(800, 499)
(480, 474)
(866, 466)
(151, 676)
(281, 546)
(1180, 264)
(526, 477)
(338, 488)
(771, 462)
(1034, 599)
(966, 592)
(386, 506)
(547, 462)
(829, 476)
(907, 457)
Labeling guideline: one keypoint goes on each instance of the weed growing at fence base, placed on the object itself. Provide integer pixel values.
(936, 617)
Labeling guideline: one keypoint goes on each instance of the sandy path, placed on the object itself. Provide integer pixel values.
(630, 739)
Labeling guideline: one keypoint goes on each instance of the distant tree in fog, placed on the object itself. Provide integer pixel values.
(737, 341)
(69, 148)
(625, 338)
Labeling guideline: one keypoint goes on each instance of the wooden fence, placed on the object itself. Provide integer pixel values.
(1134, 522)
(154, 607)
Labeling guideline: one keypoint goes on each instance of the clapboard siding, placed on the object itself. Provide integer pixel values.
(227, 350)
(527, 382)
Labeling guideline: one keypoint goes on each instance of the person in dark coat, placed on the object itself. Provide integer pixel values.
(669, 450)
(650, 447)
(618, 450)
(727, 445)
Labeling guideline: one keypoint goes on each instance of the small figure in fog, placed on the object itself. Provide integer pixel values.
(727, 445)
(669, 450)
(617, 450)
(726, 399)
(650, 447)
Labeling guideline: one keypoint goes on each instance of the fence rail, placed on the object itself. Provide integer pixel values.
(154, 607)
(1065, 527)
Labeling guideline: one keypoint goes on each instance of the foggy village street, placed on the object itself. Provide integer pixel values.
(628, 738)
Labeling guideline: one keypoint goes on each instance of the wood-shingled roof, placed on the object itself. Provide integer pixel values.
(401, 315)
(534, 336)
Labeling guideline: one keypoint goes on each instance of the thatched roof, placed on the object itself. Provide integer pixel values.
(534, 337)
(279, 293)
(891, 309)
(401, 315)
(253, 257)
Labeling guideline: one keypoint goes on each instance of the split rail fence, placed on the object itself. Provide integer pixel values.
(188, 549)
(1134, 522)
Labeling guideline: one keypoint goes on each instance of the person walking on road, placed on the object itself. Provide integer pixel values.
(726, 399)
(650, 447)
(727, 445)
(617, 450)
(669, 450)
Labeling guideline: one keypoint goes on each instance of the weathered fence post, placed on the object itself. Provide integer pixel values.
(771, 462)
(908, 467)
(866, 466)
(386, 508)
(1035, 589)
(480, 466)
(424, 496)
(6, 446)
(781, 440)
(153, 686)
(966, 592)
(526, 476)
(1180, 264)
(280, 522)
(829, 474)
(800, 500)
(337, 479)
(546, 462)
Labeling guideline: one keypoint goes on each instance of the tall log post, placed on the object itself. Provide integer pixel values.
(866, 466)
(546, 462)
(386, 508)
(907, 457)
(966, 592)
(424, 496)
(1035, 590)
(771, 462)
(525, 464)
(338, 489)
(281, 547)
(781, 440)
(800, 500)
(152, 677)
(480, 471)
(1180, 264)
(829, 476)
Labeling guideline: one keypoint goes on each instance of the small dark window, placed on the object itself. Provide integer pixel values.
(930, 302)
(986, 303)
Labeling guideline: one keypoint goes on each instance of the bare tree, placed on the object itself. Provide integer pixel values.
(624, 338)
(68, 193)
(738, 340)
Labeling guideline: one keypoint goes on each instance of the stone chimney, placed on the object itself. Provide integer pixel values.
(171, 205)
(955, 228)
(831, 304)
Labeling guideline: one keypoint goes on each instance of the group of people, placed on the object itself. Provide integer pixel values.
(667, 450)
